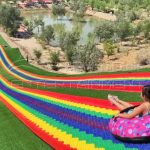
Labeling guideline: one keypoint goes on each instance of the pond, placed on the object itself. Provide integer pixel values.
(86, 26)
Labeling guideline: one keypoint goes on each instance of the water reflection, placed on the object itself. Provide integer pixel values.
(84, 26)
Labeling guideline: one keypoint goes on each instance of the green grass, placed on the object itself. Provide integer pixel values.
(3, 43)
(14, 135)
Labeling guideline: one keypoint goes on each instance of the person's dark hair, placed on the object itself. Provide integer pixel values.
(146, 91)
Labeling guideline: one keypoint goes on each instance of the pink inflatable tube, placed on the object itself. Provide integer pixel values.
(135, 130)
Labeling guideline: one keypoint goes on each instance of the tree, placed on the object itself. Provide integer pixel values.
(61, 40)
(88, 57)
(38, 22)
(123, 29)
(54, 1)
(135, 31)
(105, 30)
(69, 44)
(47, 34)
(54, 58)
(38, 55)
(145, 28)
(60, 33)
(132, 15)
(148, 10)
(101, 5)
(91, 38)
(30, 25)
(109, 47)
(10, 18)
(92, 4)
(58, 9)
(79, 7)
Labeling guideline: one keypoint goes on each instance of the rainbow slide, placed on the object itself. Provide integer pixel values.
(65, 121)
(122, 82)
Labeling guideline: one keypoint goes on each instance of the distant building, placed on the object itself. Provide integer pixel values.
(48, 1)
(21, 4)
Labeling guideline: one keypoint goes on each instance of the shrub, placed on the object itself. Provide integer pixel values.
(47, 34)
(58, 9)
(88, 57)
(54, 58)
(109, 47)
(38, 55)
(133, 16)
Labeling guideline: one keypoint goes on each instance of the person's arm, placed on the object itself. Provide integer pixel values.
(136, 111)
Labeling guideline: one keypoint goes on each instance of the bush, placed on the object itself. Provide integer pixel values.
(58, 9)
(47, 34)
(133, 16)
(88, 57)
(54, 59)
(105, 30)
(10, 18)
(144, 27)
(38, 55)
(109, 47)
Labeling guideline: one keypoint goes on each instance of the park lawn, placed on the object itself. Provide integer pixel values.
(14, 135)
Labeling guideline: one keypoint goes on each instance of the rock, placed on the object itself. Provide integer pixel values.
(113, 57)
(137, 48)
(141, 46)
(128, 43)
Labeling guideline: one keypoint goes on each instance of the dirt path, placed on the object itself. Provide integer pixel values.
(101, 15)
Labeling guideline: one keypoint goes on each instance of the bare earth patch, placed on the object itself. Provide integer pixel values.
(125, 60)
(101, 15)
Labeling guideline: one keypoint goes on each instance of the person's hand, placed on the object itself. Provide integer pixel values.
(111, 99)
(115, 98)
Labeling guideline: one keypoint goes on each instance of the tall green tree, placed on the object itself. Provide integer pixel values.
(79, 7)
(30, 25)
(87, 57)
(47, 34)
(10, 18)
(58, 9)
(91, 38)
(60, 34)
(69, 45)
(123, 29)
(105, 30)
(38, 23)
(144, 27)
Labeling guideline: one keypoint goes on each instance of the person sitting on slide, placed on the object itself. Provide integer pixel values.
(143, 108)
